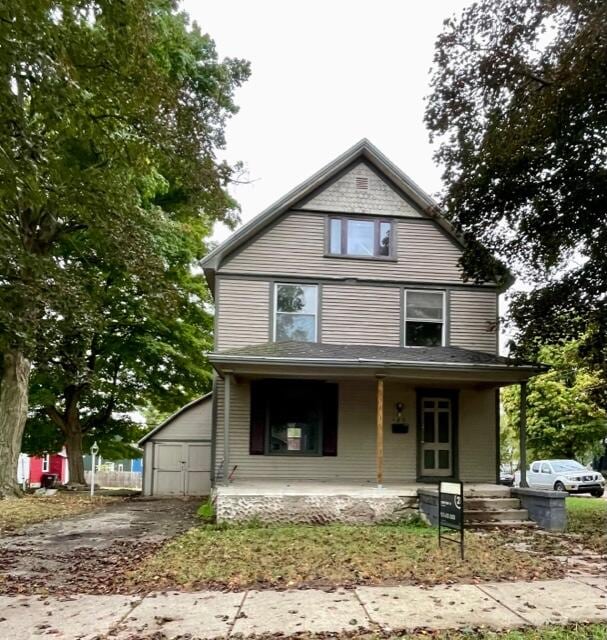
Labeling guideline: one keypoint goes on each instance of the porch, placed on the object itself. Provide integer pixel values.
(325, 501)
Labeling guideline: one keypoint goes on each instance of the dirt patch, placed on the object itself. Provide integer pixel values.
(90, 553)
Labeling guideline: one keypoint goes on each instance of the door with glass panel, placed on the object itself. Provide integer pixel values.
(436, 437)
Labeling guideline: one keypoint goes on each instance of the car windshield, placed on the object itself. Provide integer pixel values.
(567, 465)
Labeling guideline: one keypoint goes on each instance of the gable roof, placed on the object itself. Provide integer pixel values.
(362, 150)
(186, 407)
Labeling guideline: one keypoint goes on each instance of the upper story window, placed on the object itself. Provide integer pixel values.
(295, 312)
(360, 237)
(424, 318)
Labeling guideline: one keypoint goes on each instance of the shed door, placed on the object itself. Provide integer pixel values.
(182, 468)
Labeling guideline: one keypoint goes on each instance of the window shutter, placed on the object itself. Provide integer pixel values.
(258, 417)
(330, 418)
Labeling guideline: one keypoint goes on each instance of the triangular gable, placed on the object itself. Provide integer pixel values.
(360, 189)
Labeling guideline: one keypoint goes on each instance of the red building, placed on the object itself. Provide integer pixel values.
(55, 463)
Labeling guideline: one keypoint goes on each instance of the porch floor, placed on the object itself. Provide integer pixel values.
(341, 487)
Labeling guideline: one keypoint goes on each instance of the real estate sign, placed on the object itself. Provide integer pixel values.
(451, 512)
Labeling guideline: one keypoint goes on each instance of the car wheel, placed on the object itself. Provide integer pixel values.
(597, 493)
(559, 486)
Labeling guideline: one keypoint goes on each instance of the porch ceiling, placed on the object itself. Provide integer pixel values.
(306, 359)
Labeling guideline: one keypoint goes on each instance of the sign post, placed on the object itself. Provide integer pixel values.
(451, 512)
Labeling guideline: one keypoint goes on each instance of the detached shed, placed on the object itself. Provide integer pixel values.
(177, 453)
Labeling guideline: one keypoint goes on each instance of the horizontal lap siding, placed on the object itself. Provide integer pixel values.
(192, 424)
(243, 313)
(473, 319)
(356, 438)
(296, 246)
(477, 447)
(361, 315)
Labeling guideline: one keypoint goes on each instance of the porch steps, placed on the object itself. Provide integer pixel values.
(495, 512)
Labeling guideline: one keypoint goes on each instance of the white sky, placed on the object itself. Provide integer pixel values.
(324, 75)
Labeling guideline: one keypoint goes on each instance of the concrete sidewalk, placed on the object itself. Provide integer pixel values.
(212, 614)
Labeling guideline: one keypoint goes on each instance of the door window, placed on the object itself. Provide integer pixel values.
(535, 467)
(545, 468)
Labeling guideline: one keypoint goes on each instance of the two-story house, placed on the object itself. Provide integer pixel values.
(352, 358)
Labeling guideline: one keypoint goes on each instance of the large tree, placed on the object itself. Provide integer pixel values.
(143, 344)
(519, 109)
(563, 420)
(103, 103)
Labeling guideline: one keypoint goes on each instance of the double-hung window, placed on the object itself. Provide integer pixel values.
(424, 318)
(295, 312)
(46, 463)
(360, 237)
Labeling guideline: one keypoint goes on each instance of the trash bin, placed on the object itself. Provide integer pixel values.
(49, 480)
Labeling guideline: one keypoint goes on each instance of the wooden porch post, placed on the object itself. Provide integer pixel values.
(523, 435)
(226, 427)
(379, 447)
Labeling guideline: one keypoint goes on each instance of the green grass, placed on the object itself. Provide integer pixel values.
(298, 555)
(587, 518)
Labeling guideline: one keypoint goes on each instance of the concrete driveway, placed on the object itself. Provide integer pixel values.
(90, 553)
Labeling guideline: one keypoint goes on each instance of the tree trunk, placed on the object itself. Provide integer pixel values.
(73, 446)
(13, 415)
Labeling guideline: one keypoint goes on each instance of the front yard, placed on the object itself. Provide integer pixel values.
(324, 556)
(16, 513)
(587, 519)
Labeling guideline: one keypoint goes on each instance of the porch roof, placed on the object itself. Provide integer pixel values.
(374, 359)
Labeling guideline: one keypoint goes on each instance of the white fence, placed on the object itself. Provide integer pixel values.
(123, 479)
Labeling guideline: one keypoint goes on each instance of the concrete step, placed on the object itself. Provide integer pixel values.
(472, 515)
(491, 504)
(502, 524)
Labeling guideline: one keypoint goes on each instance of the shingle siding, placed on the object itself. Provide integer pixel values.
(380, 197)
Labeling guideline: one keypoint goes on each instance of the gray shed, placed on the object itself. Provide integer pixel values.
(177, 453)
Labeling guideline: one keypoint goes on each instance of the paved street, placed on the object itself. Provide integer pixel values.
(208, 614)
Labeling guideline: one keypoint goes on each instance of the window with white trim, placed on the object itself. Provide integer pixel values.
(424, 318)
(295, 312)
(46, 463)
(360, 237)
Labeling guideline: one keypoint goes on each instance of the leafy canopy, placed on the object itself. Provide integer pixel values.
(519, 108)
(563, 420)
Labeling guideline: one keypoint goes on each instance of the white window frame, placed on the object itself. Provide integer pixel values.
(405, 319)
(276, 312)
(46, 463)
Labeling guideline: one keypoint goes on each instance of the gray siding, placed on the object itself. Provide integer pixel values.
(473, 320)
(295, 246)
(242, 313)
(342, 196)
(194, 423)
(360, 315)
(356, 437)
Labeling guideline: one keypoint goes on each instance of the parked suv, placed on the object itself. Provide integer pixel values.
(565, 475)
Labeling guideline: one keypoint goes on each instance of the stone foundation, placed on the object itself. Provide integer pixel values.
(315, 509)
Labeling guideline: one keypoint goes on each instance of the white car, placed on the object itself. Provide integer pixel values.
(565, 475)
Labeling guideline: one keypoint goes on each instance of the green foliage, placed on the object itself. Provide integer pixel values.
(518, 108)
(206, 511)
(563, 420)
(109, 186)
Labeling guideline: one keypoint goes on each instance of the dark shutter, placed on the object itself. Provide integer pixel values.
(330, 417)
(259, 394)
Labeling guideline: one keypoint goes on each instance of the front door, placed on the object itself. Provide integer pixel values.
(436, 437)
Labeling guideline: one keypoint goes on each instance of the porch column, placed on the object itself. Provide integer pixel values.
(226, 427)
(523, 435)
(379, 446)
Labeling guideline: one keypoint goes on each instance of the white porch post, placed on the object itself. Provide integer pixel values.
(226, 427)
(379, 446)
(523, 435)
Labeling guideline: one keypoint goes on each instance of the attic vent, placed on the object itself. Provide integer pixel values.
(362, 182)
